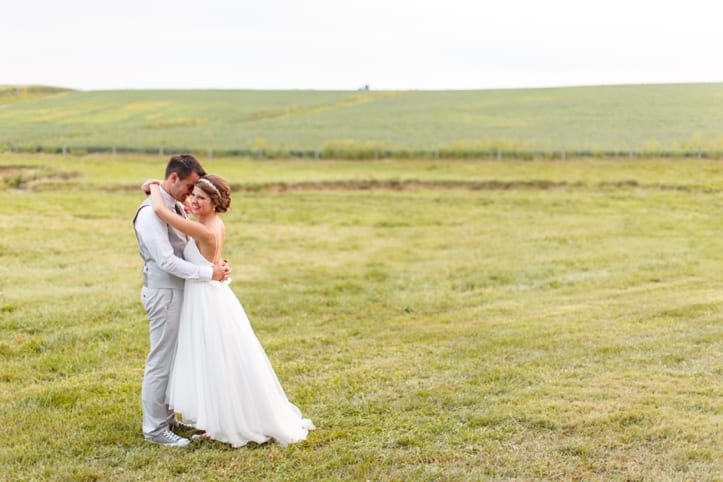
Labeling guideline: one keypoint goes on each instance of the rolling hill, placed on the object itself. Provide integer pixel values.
(672, 119)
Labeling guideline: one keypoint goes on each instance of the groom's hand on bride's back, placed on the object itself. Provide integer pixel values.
(221, 270)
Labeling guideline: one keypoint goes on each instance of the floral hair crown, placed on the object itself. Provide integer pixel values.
(206, 181)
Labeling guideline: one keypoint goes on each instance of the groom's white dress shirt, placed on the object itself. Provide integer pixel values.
(161, 248)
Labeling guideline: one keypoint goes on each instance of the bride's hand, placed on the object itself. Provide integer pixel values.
(146, 187)
(221, 270)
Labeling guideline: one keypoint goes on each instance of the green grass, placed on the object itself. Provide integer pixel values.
(560, 122)
(562, 323)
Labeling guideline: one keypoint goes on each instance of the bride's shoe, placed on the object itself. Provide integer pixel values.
(178, 425)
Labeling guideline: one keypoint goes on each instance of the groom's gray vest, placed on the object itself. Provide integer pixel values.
(153, 275)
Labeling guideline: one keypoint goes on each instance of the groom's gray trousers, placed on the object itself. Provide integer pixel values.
(163, 306)
(161, 248)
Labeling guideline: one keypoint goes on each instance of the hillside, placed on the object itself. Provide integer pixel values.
(10, 94)
(680, 119)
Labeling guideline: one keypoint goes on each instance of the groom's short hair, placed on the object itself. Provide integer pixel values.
(184, 165)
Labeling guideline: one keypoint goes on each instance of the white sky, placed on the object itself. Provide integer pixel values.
(344, 44)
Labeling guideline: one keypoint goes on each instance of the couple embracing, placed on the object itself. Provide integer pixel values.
(204, 360)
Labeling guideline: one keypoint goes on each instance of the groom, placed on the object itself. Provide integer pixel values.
(164, 271)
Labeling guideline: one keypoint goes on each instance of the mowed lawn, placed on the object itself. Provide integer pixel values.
(461, 320)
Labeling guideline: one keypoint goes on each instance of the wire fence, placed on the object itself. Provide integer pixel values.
(362, 153)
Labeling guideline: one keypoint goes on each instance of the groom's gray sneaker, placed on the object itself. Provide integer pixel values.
(169, 439)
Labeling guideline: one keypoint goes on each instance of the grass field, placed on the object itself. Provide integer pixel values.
(642, 119)
(11, 94)
(465, 320)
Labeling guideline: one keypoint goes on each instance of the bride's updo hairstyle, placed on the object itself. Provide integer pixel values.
(218, 191)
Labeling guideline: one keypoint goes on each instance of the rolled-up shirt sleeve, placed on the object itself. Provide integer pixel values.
(153, 234)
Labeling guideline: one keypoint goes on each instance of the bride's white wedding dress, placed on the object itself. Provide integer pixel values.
(222, 381)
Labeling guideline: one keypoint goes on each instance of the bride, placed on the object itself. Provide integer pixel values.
(221, 380)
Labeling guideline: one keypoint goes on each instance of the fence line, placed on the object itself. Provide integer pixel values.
(362, 153)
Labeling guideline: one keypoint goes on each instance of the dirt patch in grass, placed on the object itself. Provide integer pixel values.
(487, 185)
(20, 177)
(490, 185)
